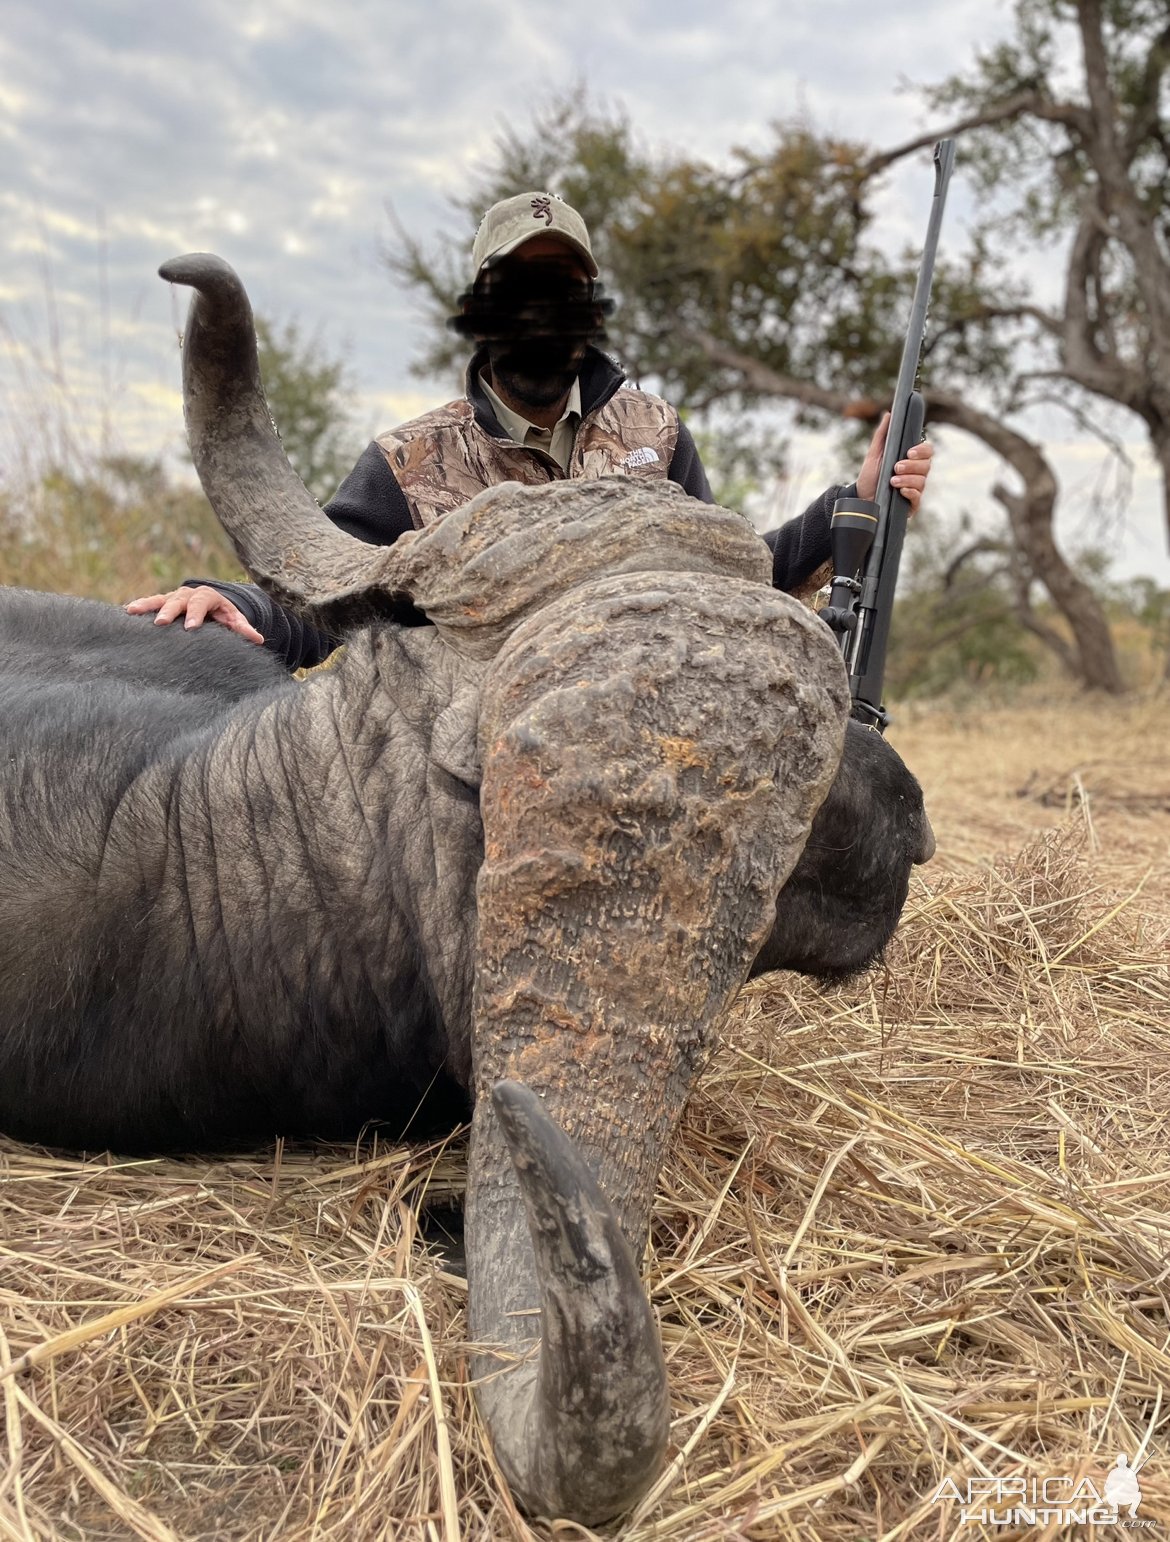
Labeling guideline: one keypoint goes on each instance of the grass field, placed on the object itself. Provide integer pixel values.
(913, 1230)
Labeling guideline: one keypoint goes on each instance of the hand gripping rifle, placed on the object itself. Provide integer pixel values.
(867, 534)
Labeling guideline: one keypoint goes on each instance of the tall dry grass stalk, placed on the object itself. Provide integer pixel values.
(914, 1229)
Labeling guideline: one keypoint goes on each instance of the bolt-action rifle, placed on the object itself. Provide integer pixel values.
(867, 534)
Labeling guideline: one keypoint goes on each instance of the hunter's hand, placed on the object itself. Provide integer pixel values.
(197, 606)
(909, 475)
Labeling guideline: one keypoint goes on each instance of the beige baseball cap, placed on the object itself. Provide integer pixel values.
(512, 221)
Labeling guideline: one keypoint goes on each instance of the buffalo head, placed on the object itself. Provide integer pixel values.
(656, 730)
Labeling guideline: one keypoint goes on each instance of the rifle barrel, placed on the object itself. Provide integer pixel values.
(864, 644)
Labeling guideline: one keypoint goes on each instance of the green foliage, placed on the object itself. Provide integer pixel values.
(120, 526)
(769, 252)
(957, 626)
(1148, 603)
(122, 530)
(586, 155)
(310, 398)
(740, 460)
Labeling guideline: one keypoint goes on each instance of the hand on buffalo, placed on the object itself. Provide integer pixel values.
(909, 475)
(197, 605)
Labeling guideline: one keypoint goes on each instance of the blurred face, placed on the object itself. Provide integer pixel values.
(534, 310)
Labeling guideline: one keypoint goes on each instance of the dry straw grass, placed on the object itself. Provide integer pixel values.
(914, 1229)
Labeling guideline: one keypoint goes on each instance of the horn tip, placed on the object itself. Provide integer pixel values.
(527, 1127)
(196, 268)
(511, 1098)
(548, 1164)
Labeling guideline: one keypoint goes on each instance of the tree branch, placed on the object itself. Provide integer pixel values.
(1051, 323)
(980, 548)
(1118, 195)
(1048, 635)
(1147, 118)
(1023, 104)
(762, 379)
(1080, 416)
(1084, 361)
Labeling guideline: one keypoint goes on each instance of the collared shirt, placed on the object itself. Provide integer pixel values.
(556, 441)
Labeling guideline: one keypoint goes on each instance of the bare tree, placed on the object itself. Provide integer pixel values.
(1090, 160)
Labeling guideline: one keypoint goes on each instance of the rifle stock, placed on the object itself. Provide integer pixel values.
(867, 535)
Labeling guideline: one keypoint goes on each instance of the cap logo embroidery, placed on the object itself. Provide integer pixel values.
(643, 456)
(542, 209)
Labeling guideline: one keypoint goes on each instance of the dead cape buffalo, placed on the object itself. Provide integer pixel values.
(522, 858)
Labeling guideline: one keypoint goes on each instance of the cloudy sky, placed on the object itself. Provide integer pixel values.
(276, 132)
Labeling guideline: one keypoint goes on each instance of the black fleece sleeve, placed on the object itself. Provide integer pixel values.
(800, 546)
(370, 505)
(686, 468)
(294, 641)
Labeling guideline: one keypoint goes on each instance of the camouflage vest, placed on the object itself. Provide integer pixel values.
(444, 458)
